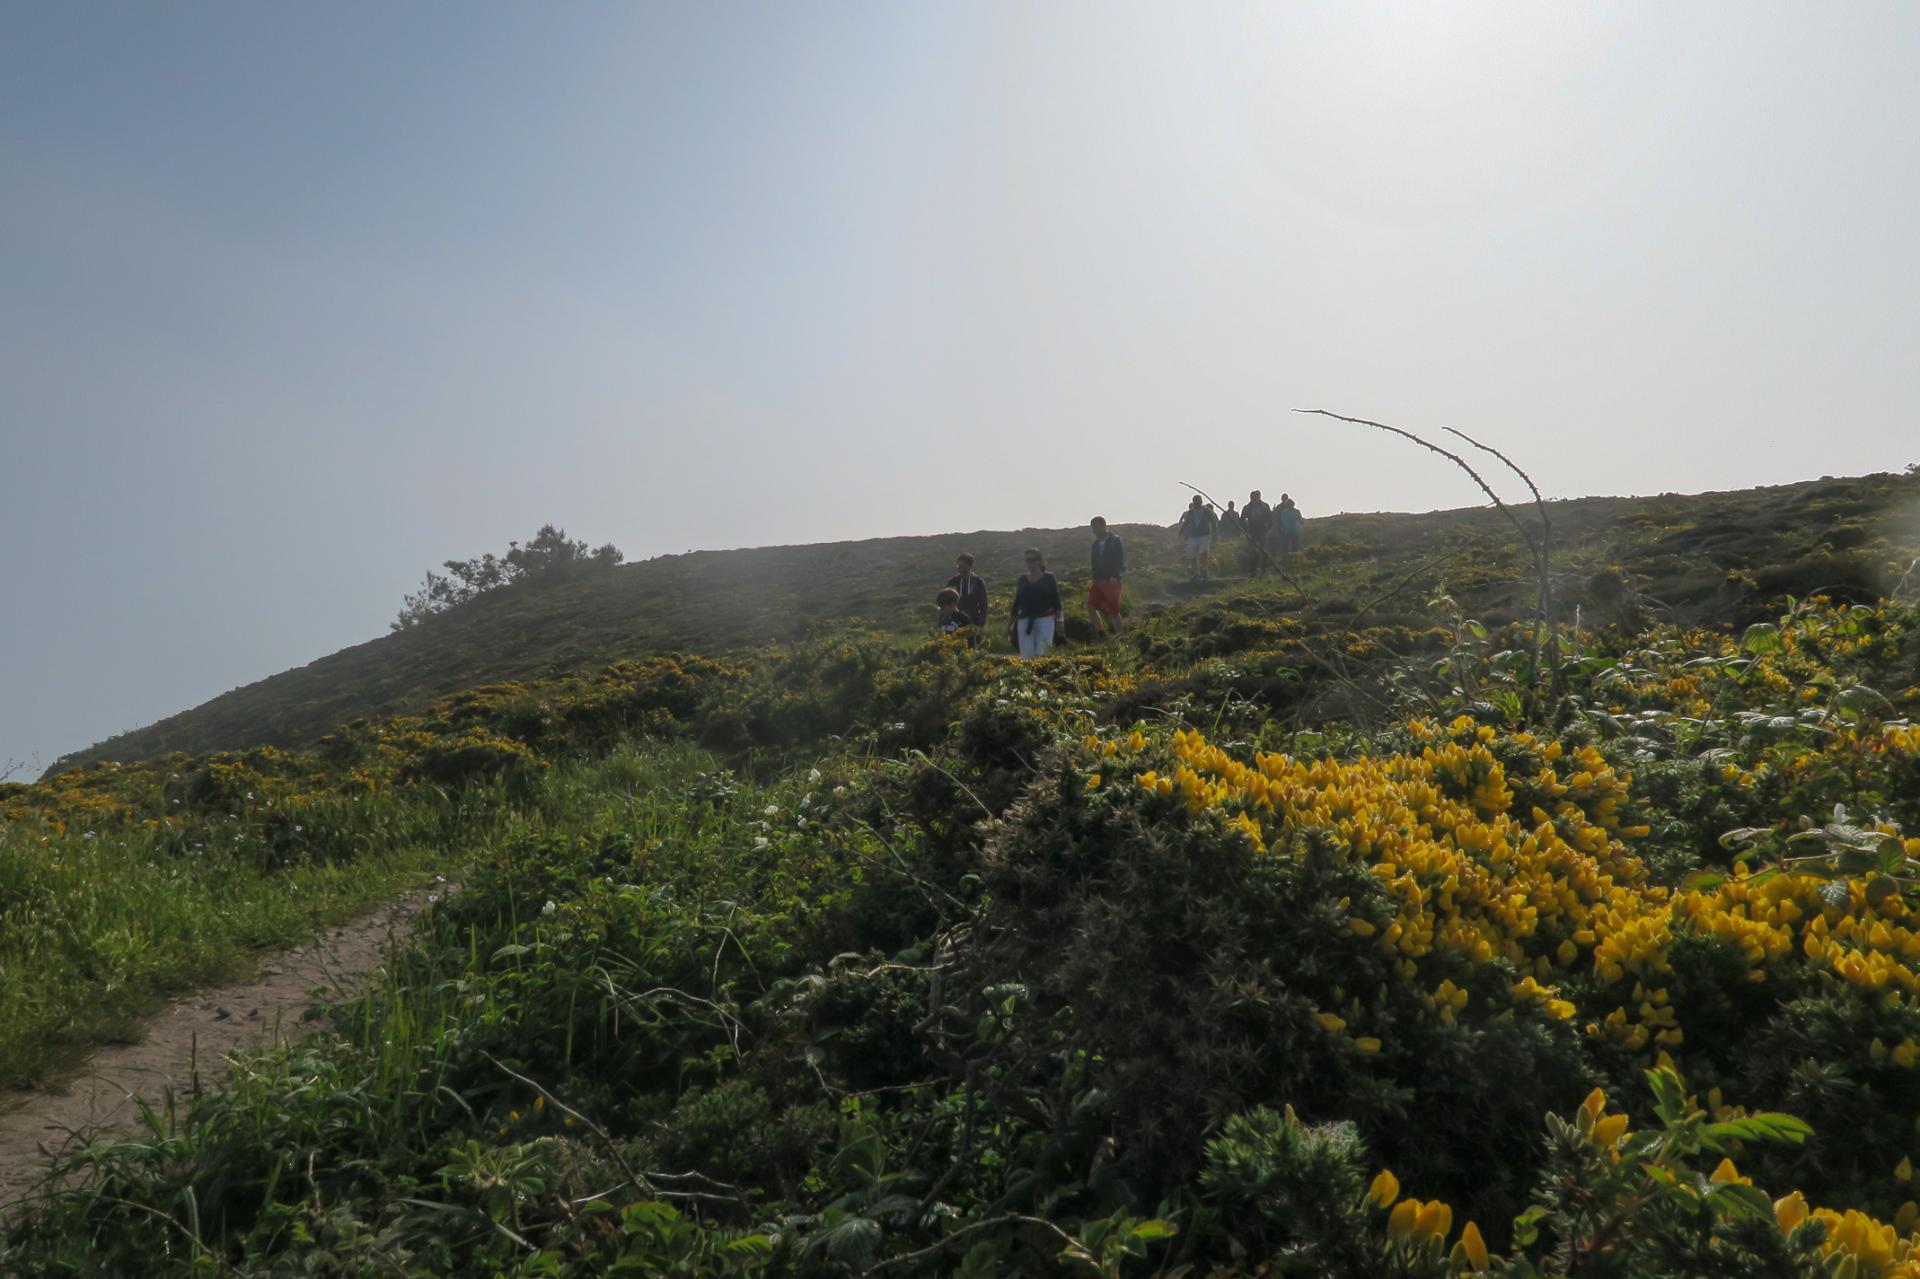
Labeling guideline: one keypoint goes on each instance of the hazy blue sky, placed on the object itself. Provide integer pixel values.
(298, 301)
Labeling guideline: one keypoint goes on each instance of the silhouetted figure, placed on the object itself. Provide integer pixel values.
(1109, 566)
(1257, 519)
(1196, 529)
(1287, 517)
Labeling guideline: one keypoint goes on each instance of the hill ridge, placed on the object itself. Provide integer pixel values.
(729, 600)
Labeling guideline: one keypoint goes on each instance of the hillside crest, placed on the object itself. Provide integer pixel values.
(1679, 550)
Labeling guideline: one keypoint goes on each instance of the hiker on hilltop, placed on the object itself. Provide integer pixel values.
(1287, 517)
(1257, 518)
(1036, 607)
(1109, 566)
(971, 590)
(1196, 528)
(1229, 523)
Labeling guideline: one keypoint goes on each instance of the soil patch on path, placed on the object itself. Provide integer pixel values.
(195, 1032)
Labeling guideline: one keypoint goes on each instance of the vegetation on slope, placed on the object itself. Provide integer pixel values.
(548, 557)
(1720, 556)
(859, 956)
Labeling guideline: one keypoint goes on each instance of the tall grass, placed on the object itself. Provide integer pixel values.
(97, 927)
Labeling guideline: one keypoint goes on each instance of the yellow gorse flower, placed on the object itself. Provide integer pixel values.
(1553, 890)
(1434, 1222)
(1470, 1254)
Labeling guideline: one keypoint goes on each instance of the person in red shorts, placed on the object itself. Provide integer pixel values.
(1109, 566)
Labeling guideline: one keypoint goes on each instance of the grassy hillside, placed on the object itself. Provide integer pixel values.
(1326, 926)
(1720, 554)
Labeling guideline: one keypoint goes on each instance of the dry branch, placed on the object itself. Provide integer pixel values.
(1547, 635)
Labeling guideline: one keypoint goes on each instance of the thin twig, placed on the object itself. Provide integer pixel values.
(177, 1224)
(1543, 562)
(1537, 547)
(1010, 1219)
(927, 890)
(1539, 502)
(1405, 582)
(634, 1177)
(1451, 456)
(923, 757)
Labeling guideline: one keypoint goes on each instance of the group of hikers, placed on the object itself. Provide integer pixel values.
(1038, 614)
(1264, 531)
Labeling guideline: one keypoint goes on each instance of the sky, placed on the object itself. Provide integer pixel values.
(297, 301)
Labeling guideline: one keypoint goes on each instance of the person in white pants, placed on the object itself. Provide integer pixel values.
(1036, 607)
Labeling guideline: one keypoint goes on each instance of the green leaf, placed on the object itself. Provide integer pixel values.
(1526, 1227)
(1669, 1094)
(1762, 637)
(1155, 1228)
(1835, 894)
(1859, 701)
(1765, 1126)
(1741, 1200)
(1855, 861)
(1879, 888)
(981, 1262)
(851, 1241)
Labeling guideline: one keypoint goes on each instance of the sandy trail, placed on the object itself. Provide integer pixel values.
(201, 1028)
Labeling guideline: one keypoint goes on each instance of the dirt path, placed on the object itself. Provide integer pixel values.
(201, 1027)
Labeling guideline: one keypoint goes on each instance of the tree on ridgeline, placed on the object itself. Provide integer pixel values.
(550, 556)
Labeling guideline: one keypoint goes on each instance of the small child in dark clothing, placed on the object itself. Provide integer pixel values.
(951, 620)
